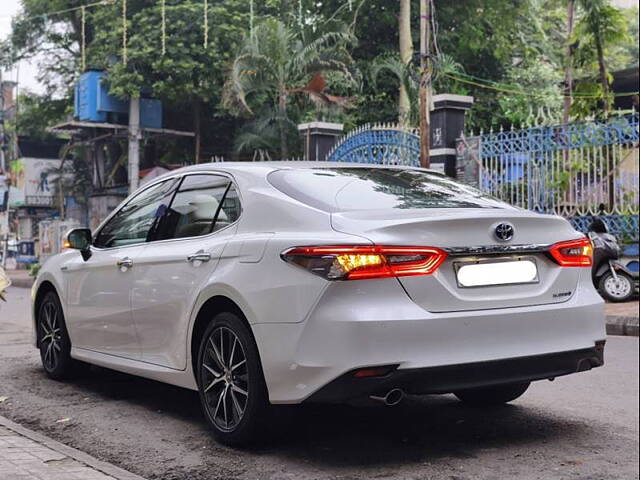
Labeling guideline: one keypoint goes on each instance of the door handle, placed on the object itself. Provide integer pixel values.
(200, 256)
(124, 263)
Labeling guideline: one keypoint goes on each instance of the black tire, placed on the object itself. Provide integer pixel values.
(621, 292)
(53, 339)
(235, 419)
(495, 395)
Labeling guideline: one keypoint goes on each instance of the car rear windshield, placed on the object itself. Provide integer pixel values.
(362, 188)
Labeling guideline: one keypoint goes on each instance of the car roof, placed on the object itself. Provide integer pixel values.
(260, 167)
(260, 170)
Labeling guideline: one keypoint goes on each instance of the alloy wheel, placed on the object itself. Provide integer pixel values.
(51, 335)
(225, 378)
(617, 288)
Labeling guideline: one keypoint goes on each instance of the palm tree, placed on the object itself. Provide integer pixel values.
(408, 77)
(275, 63)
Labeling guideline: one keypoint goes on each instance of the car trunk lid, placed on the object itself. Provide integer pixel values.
(469, 236)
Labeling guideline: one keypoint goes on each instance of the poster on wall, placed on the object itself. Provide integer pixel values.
(467, 160)
(35, 178)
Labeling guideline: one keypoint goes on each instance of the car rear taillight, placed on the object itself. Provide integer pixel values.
(574, 253)
(362, 262)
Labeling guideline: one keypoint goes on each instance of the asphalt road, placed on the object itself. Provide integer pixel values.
(583, 426)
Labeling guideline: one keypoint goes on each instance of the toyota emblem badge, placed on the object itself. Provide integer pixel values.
(504, 232)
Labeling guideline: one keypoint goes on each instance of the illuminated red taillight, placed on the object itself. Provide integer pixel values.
(362, 262)
(573, 253)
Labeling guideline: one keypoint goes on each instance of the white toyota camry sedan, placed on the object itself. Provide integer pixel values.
(283, 283)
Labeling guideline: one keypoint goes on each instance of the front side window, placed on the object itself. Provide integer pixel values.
(136, 220)
(203, 204)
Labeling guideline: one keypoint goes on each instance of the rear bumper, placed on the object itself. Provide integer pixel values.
(357, 325)
(452, 378)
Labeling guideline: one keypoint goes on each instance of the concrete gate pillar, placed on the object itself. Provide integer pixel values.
(319, 138)
(447, 125)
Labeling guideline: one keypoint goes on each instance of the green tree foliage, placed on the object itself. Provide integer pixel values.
(276, 66)
(389, 66)
(629, 49)
(515, 45)
(54, 39)
(38, 113)
(188, 77)
(600, 27)
(542, 101)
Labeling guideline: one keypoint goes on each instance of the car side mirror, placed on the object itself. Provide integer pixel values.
(79, 239)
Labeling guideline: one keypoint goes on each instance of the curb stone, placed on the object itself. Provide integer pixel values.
(621, 325)
(104, 467)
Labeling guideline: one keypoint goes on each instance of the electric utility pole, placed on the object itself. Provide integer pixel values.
(3, 171)
(134, 143)
(3, 166)
(425, 82)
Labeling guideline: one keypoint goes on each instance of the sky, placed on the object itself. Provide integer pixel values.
(26, 72)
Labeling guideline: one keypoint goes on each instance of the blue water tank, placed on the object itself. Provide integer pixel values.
(92, 102)
(86, 98)
(109, 103)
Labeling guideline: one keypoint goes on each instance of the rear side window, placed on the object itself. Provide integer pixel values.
(361, 188)
(201, 206)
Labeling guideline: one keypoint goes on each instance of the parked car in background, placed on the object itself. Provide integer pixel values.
(291, 282)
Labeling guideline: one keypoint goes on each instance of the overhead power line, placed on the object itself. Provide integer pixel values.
(66, 10)
(460, 77)
(514, 90)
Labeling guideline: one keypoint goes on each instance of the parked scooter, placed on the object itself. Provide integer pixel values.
(614, 281)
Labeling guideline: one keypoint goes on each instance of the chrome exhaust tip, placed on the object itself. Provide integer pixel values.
(393, 397)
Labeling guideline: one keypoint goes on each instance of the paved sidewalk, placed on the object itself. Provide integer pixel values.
(20, 278)
(27, 455)
(626, 309)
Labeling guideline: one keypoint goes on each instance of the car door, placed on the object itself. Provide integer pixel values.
(172, 268)
(98, 303)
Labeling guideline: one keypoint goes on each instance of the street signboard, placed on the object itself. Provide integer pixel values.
(34, 179)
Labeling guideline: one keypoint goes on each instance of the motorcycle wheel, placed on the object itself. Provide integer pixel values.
(613, 290)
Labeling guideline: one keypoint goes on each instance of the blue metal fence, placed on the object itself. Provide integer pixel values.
(625, 227)
(572, 170)
(621, 129)
(569, 170)
(575, 170)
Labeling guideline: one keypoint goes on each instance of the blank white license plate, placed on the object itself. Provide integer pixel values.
(497, 273)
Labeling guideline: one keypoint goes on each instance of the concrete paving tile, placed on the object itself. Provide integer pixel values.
(24, 458)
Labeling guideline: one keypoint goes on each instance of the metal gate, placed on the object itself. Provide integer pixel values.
(576, 170)
(385, 144)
